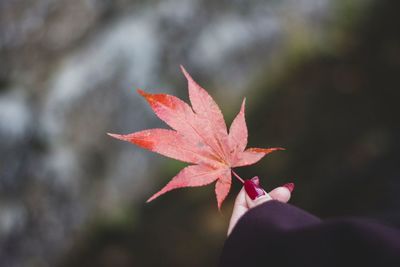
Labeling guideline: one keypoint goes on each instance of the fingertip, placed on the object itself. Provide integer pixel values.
(281, 194)
(289, 186)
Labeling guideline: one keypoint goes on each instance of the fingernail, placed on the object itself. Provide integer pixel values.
(289, 186)
(253, 189)
(256, 180)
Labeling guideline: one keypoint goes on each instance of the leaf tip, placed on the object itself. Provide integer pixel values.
(243, 104)
(141, 92)
(156, 195)
(265, 150)
(117, 136)
(183, 69)
(149, 97)
(187, 75)
(219, 205)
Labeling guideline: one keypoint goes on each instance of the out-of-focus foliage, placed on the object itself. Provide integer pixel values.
(322, 74)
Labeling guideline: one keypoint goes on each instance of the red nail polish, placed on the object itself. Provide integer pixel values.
(253, 189)
(256, 180)
(289, 186)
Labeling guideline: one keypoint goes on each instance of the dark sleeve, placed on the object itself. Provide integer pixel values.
(279, 235)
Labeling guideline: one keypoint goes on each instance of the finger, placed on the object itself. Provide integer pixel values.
(239, 208)
(255, 194)
(282, 193)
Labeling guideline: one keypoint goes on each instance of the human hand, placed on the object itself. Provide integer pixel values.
(253, 195)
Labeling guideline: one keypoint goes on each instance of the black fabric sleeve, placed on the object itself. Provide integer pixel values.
(279, 235)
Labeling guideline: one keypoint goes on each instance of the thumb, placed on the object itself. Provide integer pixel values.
(255, 194)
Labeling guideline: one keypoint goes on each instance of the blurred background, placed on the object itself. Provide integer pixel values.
(321, 77)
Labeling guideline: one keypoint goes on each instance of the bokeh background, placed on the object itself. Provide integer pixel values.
(321, 77)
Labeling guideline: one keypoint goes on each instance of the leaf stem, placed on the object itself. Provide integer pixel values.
(238, 177)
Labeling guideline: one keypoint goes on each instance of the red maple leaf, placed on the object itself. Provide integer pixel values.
(200, 137)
